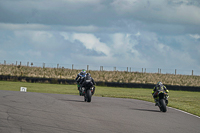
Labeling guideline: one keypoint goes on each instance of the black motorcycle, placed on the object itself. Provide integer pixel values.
(88, 91)
(163, 100)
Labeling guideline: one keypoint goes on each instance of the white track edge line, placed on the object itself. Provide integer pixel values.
(180, 111)
(185, 112)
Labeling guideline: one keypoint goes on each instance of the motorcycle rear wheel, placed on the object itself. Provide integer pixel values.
(163, 107)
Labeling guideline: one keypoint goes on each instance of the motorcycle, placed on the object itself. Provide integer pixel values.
(163, 100)
(87, 92)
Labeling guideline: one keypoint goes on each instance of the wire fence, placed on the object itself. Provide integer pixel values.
(102, 68)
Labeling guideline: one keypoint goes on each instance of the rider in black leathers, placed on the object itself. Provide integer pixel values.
(79, 77)
(158, 86)
(86, 80)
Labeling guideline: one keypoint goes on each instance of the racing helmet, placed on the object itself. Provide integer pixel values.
(83, 72)
(88, 74)
(159, 83)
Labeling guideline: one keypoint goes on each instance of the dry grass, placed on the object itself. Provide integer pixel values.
(105, 76)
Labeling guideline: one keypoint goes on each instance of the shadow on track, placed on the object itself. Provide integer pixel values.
(71, 100)
(146, 110)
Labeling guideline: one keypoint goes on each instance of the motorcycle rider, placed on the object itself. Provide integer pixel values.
(80, 76)
(86, 80)
(158, 86)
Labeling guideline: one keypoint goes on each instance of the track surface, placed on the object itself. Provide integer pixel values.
(30, 112)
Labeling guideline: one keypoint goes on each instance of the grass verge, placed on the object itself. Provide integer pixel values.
(183, 100)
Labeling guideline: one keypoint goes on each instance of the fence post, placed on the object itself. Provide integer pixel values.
(72, 66)
(158, 70)
(192, 72)
(142, 70)
(130, 69)
(101, 68)
(145, 70)
(87, 67)
(27, 64)
(57, 65)
(175, 71)
(4, 62)
(127, 69)
(43, 65)
(20, 63)
(16, 63)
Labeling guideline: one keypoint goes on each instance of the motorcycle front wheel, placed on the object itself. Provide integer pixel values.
(88, 96)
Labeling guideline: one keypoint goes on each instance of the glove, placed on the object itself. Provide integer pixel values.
(152, 92)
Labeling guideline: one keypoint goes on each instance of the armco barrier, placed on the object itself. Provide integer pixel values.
(137, 85)
(36, 79)
(109, 84)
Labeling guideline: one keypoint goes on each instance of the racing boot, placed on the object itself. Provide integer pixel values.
(166, 101)
(156, 102)
(80, 91)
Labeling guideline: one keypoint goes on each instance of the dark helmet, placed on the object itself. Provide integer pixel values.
(88, 74)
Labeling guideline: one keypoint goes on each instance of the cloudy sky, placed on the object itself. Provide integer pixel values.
(139, 34)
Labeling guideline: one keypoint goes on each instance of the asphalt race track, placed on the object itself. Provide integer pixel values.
(28, 112)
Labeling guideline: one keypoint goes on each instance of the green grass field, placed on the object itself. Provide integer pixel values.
(183, 100)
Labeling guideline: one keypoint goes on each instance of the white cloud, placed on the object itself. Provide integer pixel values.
(137, 34)
(41, 36)
(65, 35)
(196, 36)
(142, 48)
(162, 49)
(91, 42)
(40, 39)
(181, 60)
(122, 43)
(187, 14)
